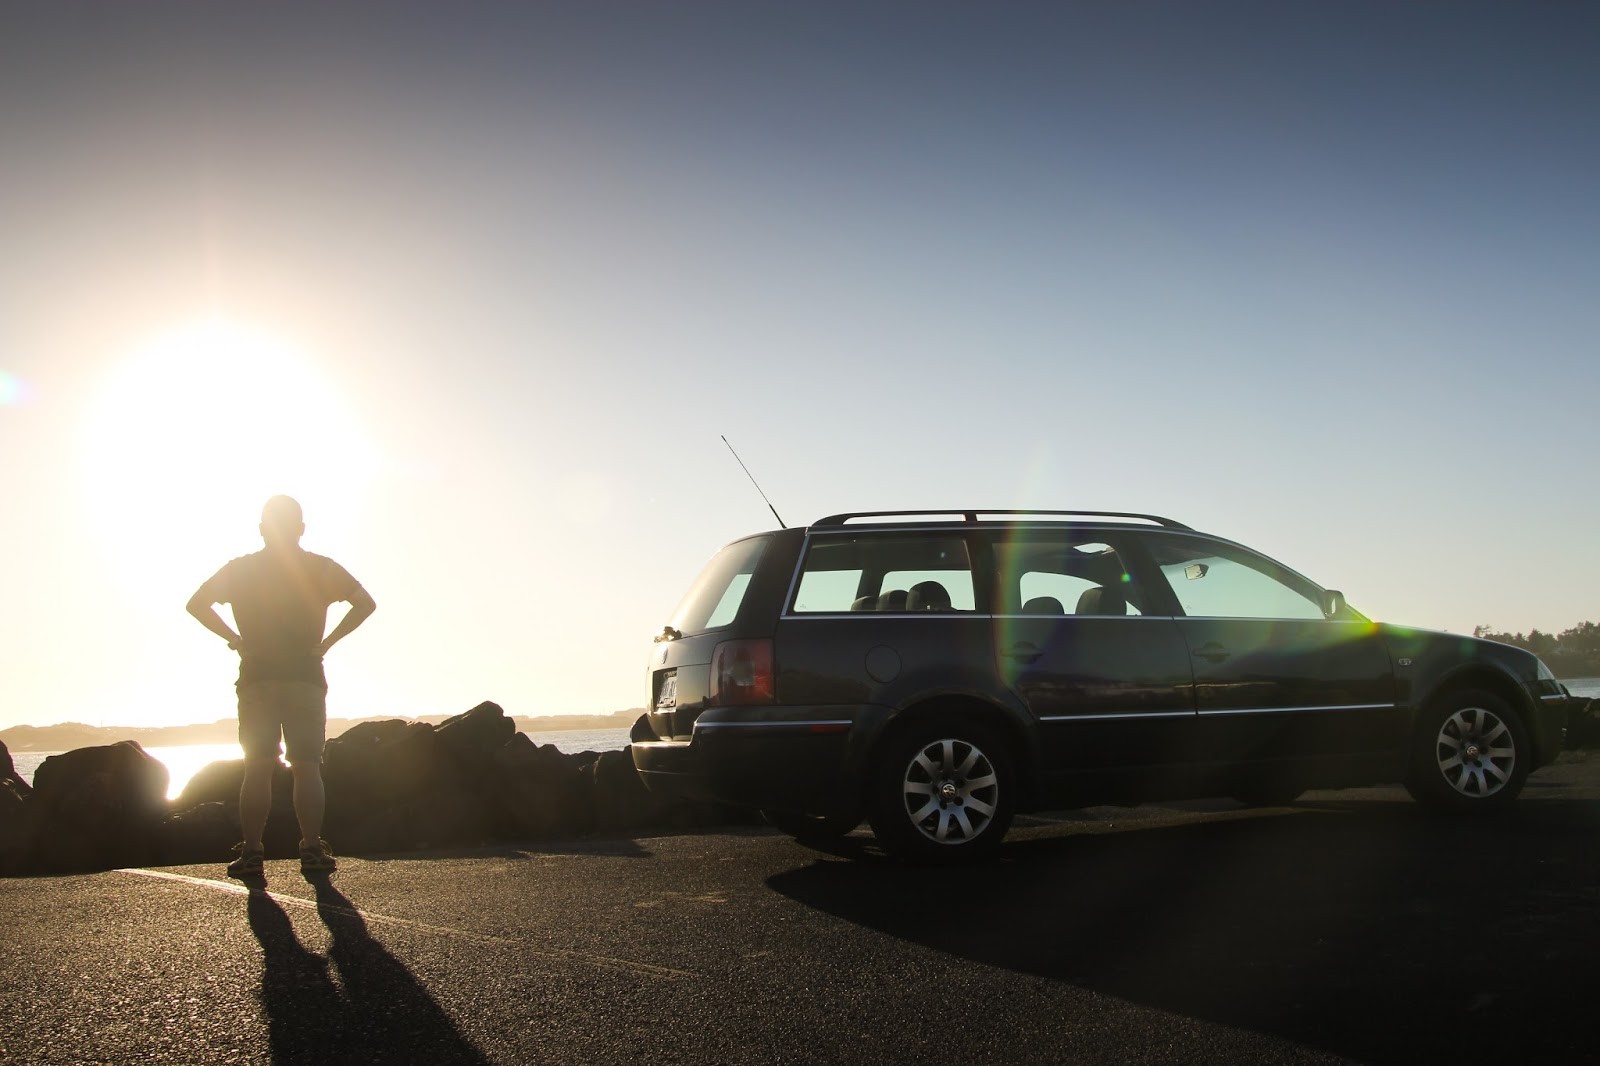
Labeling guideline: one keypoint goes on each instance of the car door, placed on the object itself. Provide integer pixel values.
(1275, 677)
(1108, 682)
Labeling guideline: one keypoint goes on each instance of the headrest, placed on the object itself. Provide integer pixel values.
(928, 596)
(893, 600)
(1101, 600)
(1043, 605)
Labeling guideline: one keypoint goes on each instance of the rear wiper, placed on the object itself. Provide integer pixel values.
(667, 633)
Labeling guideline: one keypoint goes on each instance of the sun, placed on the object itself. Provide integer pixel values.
(188, 435)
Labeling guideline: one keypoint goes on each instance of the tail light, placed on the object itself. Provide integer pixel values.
(741, 673)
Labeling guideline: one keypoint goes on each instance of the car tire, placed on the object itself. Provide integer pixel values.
(811, 826)
(944, 792)
(1471, 752)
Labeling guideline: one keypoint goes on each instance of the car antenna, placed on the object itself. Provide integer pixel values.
(753, 481)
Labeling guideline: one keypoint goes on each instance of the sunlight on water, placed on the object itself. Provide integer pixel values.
(185, 760)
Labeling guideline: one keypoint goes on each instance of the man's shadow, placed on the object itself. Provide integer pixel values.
(381, 1014)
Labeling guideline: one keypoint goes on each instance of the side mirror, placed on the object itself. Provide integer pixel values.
(1332, 603)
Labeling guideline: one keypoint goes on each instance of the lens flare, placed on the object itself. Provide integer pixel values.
(13, 390)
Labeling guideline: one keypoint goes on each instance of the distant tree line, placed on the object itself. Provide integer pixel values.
(1571, 653)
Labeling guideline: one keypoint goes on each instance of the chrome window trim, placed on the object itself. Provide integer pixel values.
(1086, 617)
(868, 615)
(1121, 715)
(807, 724)
(1557, 698)
(1298, 710)
(1265, 618)
(1114, 715)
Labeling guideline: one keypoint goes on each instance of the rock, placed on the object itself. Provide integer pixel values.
(216, 782)
(8, 769)
(472, 737)
(13, 818)
(382, 767)
(95, 809)
(393, 784)
(539, 791)
(620, 799)
(205, 832)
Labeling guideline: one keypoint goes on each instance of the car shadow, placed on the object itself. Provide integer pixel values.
(376, 1011)
(1368, 929)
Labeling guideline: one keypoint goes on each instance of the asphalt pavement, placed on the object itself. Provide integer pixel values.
(1348, 927)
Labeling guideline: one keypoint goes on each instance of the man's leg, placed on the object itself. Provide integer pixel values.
(309, 800)
(258, 738)
(255, 799)
(305, 730)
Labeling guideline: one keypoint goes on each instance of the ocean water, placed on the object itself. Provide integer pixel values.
(185, 760)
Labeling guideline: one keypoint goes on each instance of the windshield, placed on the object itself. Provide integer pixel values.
(713, 600)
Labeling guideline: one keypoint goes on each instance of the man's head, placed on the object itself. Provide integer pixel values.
(281, 522)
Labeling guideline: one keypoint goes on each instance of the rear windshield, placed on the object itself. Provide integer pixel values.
(714, 598)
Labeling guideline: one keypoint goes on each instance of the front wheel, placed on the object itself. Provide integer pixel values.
(1471, 753)
(944, 793)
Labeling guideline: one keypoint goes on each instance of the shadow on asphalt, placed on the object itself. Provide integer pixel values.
(1368, 929)
(381, 1013)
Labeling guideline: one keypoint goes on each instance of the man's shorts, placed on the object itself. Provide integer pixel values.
(295, 710)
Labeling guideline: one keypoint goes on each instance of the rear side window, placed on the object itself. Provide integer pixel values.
(1063, 572)
(713, 600)
(885, 574)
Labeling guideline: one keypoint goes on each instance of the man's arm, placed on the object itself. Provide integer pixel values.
(203, 606)
(361, 606)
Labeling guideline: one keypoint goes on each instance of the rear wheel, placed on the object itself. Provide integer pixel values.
(1471, 753)
(944, 792)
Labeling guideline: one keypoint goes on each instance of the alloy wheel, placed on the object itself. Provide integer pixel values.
(951, 791)
(1476, 752)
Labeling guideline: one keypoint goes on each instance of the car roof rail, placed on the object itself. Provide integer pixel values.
(974, 516)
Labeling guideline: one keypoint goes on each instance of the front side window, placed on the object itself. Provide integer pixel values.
(1212, 580)
(713, 600)
(885, 574)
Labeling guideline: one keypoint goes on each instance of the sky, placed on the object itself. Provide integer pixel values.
(483, 285)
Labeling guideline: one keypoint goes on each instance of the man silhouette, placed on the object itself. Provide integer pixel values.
(280, 597)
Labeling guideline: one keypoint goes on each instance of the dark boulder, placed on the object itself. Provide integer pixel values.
(8, 769)
(472, 737)
(380, 767)
(394, 786)
(13, 821)
(216, 782)
(621, 802)
(95, 808)
(539, 791)
(205, 832)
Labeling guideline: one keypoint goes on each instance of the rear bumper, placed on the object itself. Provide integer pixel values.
(799, 759)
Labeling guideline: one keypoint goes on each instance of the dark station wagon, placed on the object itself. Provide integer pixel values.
(937, 672)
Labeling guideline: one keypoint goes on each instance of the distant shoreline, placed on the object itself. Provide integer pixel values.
(68, 736)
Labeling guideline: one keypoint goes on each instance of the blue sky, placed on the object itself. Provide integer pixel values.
(483, 284)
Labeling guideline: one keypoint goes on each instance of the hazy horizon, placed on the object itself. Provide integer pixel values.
(482, 286)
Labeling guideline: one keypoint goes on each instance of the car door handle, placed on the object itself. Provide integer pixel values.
(1023, 651)
(1212, 652)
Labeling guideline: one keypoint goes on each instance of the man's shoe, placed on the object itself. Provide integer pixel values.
(248, 864)
(316, 858)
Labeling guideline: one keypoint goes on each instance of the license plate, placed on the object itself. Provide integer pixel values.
(668, 697)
